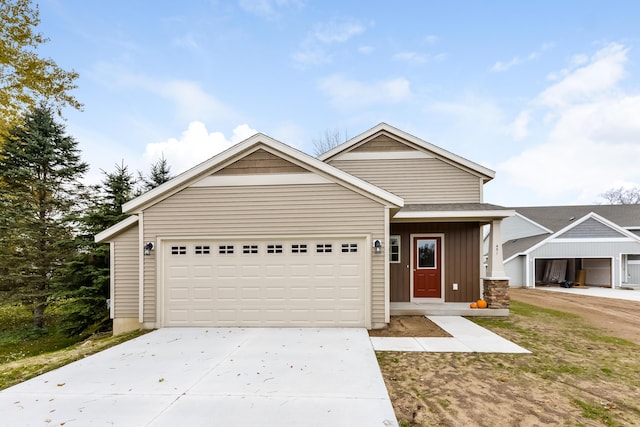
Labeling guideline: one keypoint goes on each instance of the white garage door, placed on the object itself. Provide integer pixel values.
(297, 283)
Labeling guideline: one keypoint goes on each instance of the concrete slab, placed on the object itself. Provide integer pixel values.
(594, 291)
(227, 376)
(467, 337)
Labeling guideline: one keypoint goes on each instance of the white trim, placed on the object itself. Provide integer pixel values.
(385, 254)
(586, 239)
(383, 127)
(249, 145)
(112, 279)
(115, 229)
(411, 268)
(593, 240)
(385, 155)
(260, 179)
(141, 267)
(484, 214)
(160, 260)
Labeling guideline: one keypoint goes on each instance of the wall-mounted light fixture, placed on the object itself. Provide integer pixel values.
(148, 247)
(377, 246)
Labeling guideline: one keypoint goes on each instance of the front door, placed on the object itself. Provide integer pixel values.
(427, 264)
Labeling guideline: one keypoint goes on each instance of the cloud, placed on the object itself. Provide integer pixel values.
(346, 93)
(411, 57)
(366, 50)
(590, 132)
(502, 66)
(195, 145)
(431, 39)
(601, 74)
(314, 48)
(519, 126)
(190, 100)
(268, 9)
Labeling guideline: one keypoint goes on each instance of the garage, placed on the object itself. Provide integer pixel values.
(288, 282)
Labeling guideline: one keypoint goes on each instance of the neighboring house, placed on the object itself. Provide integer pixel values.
(265, 235)
(595, 244)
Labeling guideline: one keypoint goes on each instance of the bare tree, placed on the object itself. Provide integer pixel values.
(330, 140)
(622, 196)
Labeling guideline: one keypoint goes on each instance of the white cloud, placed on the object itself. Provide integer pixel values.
(195, 145)
(268, 9)
(411, 57)
(313, 49)
(519, 126)
(366, 50)
(431, 39)
(590, 132)
(502, 66)
(190, 100)
(337, 31)
(604, 71)
(346, 93)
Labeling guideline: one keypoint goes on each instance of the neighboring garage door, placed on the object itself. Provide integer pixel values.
(296, 283)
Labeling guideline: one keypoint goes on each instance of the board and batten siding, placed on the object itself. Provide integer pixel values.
(126, 274)
(417, 181)
(265, 210)
(514, 270)
(461, 260)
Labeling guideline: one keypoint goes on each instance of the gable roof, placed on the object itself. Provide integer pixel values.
(486, 173)
(248, 146)
(557, 217)
(105, 235)
(525, 245)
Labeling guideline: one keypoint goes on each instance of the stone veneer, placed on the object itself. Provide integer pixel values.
(496, 293)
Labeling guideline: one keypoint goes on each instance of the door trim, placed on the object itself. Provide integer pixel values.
(412, 266)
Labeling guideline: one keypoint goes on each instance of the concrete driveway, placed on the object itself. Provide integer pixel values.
(212, 377)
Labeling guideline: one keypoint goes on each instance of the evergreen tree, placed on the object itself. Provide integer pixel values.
(85, 284)
(160, 173)
(40, 168)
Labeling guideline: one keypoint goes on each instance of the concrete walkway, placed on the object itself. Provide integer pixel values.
(467, 337)
(212, 377)
(594, 291)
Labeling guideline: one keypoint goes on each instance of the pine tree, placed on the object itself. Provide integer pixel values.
(40, 168)
(85, 278)
(160, 173)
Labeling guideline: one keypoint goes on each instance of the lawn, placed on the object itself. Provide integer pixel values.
(26, 352)
(575, 376)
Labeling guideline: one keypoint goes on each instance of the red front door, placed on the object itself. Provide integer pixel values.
(427, 266)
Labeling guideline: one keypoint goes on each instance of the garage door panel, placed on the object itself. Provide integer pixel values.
(283, 283)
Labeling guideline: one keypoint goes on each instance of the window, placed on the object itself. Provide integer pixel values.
(274, 249)
(250, 249)
(225, 249)
(203, 250)
(394, 251)
(323, 248)
(349, 247)
(178, 250)
(427, 249)
(298, 248)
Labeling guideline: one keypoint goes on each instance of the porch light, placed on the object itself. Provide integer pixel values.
(377, 246)
(148, 248)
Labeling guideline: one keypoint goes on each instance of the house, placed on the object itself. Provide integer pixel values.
(265, 235)
(596, 245)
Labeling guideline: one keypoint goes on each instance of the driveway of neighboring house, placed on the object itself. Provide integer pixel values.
(596, 291)
(214, 376)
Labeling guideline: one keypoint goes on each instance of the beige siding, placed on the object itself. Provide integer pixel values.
(295, 210)
(382, 143)
(417, 180)
(260, 161)
(126, 259)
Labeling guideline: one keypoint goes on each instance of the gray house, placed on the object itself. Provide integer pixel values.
(596, 245)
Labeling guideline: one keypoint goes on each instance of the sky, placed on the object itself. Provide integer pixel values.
(545, 93)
